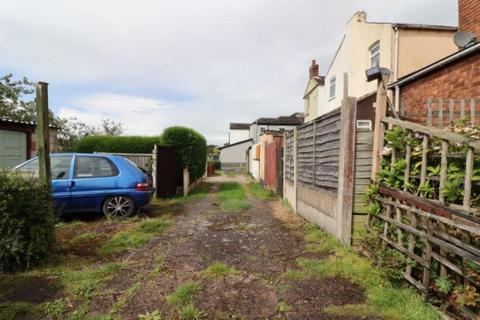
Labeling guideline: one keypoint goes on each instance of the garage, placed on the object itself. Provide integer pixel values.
(13, 148)
(17, 142)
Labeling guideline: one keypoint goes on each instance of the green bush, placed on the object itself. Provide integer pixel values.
(26, 225)
(190, 151)
(117, 144)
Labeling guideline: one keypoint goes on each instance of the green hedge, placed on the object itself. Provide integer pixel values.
(190, 150)
(117, 144)
(26, 225)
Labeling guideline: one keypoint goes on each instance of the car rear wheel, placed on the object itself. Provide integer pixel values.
(118, 207)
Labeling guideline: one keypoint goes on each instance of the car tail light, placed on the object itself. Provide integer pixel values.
(142, 186)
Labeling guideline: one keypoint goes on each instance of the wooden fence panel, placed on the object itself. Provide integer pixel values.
(441, 112)
(318, 151)
(289, 156)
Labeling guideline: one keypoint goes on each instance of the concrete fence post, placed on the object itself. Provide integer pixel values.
(295, 170)
(346, 170)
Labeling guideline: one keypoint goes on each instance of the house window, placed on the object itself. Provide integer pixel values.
(333, 87)
(375, 55)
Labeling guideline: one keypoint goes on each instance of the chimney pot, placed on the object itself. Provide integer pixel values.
(313, 69)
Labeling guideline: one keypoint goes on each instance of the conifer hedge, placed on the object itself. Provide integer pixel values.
(117, 144)
(190, 151)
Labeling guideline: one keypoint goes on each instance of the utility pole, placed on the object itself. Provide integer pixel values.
(42, 133)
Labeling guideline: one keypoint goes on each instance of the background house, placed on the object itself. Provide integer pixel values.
(453, 78)
(18, 142)
(402, 48)
(283, 123)
(234, 155)
(238, 132)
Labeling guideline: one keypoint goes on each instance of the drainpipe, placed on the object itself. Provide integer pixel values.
(397, 63)
(397, 98)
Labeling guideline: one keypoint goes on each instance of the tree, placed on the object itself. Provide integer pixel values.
(14, 106)
(12, 99)
(111, 128)
(71, 131)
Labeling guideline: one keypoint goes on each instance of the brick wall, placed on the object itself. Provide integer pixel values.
(469, 16)
(460, 80)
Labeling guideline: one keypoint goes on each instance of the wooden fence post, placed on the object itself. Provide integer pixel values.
(186, 181)
(154, 168)
(346, 170)
(380, 112)
(42, 133)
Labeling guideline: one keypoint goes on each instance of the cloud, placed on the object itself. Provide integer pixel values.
(140, 115)
(235, 60)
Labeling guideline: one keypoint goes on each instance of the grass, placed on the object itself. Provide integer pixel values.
(15, 310)
(135, 237)
(83, 282)
(154, 315)
(184, 294)
(189, 312)
(383, 299)
(283, 307)
(232, 198)
(218, 269)
(260, 192)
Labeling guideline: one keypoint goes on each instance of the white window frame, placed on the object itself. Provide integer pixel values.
(374, 54)
(364, 125)
(333, 85)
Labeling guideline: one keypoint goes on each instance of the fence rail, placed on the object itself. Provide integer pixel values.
(424, 213)
(143, 160)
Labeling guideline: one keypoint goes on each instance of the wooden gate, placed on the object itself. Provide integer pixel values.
(165, 171)
(427, 207)
(273, 165)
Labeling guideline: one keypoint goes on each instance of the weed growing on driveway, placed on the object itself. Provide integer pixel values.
(232, 198)
(383, 299)
(184, 294)
(135, 237)
(218, 269)
(259, 192)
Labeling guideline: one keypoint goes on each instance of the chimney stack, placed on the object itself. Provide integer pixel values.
(313, 69)
(469, 16)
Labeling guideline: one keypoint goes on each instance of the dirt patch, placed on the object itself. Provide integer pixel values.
(308, 297)
(247, 297)
(31, 289)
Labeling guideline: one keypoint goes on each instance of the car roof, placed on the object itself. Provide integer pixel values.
(108, 155)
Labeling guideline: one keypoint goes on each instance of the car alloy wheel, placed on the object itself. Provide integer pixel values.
(118, 207)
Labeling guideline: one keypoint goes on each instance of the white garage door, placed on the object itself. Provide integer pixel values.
(13, 148)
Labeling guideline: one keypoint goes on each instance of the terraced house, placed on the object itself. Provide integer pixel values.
(402, 48)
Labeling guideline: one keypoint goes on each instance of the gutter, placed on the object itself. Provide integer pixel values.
(452, 58)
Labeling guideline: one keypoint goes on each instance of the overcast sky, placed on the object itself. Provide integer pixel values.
(200, 63)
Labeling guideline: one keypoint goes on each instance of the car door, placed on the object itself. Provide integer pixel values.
(94, 178)
(62, 173)
(61, 168)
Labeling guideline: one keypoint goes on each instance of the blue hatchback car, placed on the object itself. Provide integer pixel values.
(95, 182)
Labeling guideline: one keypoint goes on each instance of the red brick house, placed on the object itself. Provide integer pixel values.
(456, 76)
